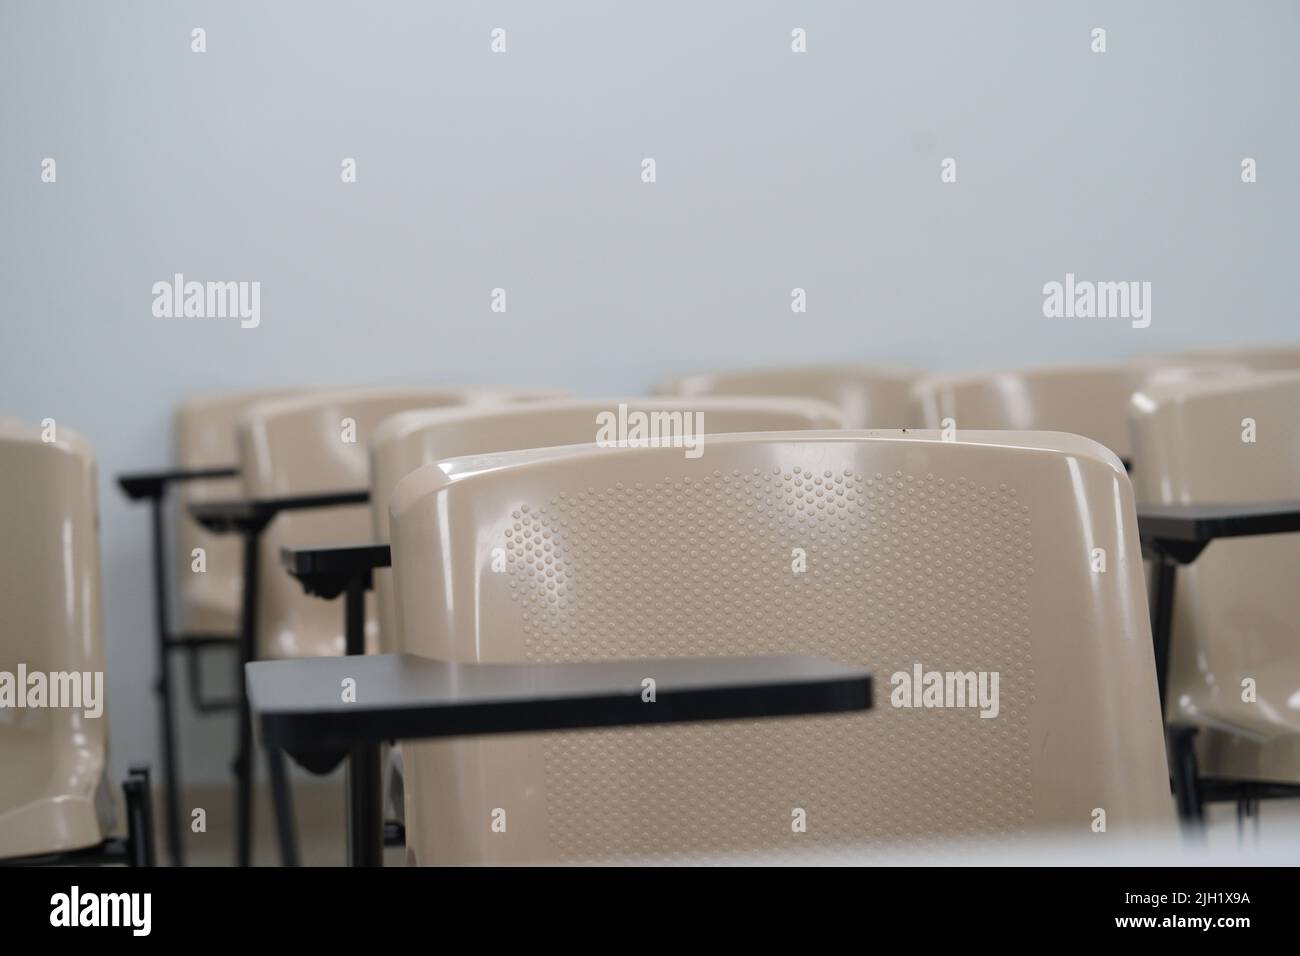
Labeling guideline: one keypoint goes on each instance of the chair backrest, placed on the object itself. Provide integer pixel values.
(205, 438)
(897, 551)
(1237, 607)
(309, 444)
(1088, 400)
(869, 397)
(406, 441)
(52, 759)
(1257, 358)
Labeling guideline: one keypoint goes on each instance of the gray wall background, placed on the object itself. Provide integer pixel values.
(522, 170)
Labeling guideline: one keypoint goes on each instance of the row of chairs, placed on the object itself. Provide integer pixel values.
(951, 548)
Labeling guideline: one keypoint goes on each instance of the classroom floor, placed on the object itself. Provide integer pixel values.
(319, 810)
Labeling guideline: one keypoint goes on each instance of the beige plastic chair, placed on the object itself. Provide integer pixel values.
(315, 443)
(1089, 400)
(53, 795)
(869, 397)
(205, 438)
(969, 556)
(406, 441)
(1258, 358)
(1237, 606)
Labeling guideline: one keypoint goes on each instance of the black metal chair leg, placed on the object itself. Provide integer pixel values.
(354, 617)
(365, 779)
(365, 808)
(1187, 793)
(150, 843)
(244, 761)
(1162, 622)
(282, 797)
(171, 769)
(1181, 740)
(139, 818)
(131, 790)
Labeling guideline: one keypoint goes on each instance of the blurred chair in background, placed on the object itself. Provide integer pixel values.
(869, 397)
(1233, 686)
(208, 578)
(1257, 358)
(1089, 400)
(206, 439)
(297, 455)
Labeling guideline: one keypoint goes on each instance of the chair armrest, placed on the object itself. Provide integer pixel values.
(327, 572)
(404, 697)
(1182, 532)
(153, 484)
(254, 514)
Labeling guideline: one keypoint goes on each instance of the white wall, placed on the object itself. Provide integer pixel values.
(521, 170)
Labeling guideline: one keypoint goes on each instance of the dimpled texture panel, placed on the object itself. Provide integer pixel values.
(900, 568)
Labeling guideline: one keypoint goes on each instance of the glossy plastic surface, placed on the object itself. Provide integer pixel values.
(316, 442)
(869, 397)
(887, 550)
(1257, 358)
(1089, 400)
(205, 438)
(406, 441)
(52, 759)
(1237, 606)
